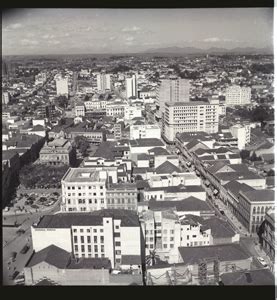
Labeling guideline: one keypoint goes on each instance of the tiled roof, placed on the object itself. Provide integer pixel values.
(259, 195)
(249, 277)
(158, 151)
(95, 218)
(52, 255)
(167, 168)
(151, 142)
(226, 252)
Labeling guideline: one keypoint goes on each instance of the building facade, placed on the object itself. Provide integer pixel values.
(103, 82)
(236, 95)
(131, 87)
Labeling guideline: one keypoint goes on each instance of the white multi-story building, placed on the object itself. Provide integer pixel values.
(190, 117)
(131, 87)
(62, 86)
(80, 110)
(144, 131)
(95, 105)
(116, 109)
(40, 78)
(172, 90)
(104, 82)
(5, 98)
(113, 234)
(242, 133)
(132, 111)
(84, 189)
(164, 231)
(236, 95)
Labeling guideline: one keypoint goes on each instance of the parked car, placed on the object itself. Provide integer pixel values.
(13, 256)
(20, 231)
(25, 249)
(262, 261)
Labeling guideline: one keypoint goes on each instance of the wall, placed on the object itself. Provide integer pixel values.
(130, 241)
(43, 238)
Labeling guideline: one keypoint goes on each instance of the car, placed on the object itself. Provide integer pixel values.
(20, 231)
(13, 276)
(25, 249)
(262, 261)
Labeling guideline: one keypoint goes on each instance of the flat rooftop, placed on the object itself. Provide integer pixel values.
(82, 175)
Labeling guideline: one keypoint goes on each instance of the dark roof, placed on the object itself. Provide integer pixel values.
(9, 154)
(141, 184)
(259, 195)
(228, 176)
(226, 252)
(66, 220)
(183, 188)
(219, 227)
(188, 204)
(235, 187)
(89, 263)
(52, 255)
(188, 136)
(141, 170)
(131, 260)
(158, 151)
(249, 277)
(167, 168)
(105, 150)
(143, 156)
(46, 282)
(152, 142)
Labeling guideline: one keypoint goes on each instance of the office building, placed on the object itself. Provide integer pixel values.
(103, 82)
(189, 117)
(131, 87)
(172, 90)
(237, 95)
(62, 86)
(110, 233)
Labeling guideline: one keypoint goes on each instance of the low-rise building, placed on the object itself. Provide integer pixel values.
(144, 131)
(58, 152)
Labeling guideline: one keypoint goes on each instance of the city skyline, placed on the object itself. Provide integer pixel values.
(83, 31)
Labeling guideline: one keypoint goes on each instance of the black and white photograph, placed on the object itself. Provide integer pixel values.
(138, 147)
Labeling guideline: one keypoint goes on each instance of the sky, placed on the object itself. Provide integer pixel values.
(84, 31)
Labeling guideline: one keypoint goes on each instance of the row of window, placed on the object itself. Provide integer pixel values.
(121, 201)
(88, 230)
(84, 201)
(84, 187)
(82, 239)
(89, 248)
(84, 194)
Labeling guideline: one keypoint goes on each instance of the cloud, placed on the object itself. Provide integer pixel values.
(129, 38)
(27, 42)
(131, 29)
(48, 36)
(55, 42)
(15, 26)
(112, 38)
(216, 39)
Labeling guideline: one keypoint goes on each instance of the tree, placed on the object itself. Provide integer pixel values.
(271, 173)
(152, 258)
(254, 157)
(244, 154)
(82, 144)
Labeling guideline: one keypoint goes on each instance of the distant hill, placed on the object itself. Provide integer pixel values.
(212, 50)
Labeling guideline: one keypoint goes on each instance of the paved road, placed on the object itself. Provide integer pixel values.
(14, 242)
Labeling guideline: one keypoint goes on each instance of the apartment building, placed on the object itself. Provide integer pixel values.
(104, 82)
(132, 111)
(189, 117)
(5, 98)
(242, 133)
(122, 196)
(131, 87)
(58, 152)
(80, 110)
(116, 109)
(237, 95)
(109, 233)
(62, 86)
(172, 90)
(95, 105)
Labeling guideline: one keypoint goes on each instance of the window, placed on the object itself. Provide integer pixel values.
(75, 239)
(95, 230)
(88, 239)
(101, 230)
(101, 239)
(95, 239)
(116, 227)
(172, 231)
(76, 248)
(118, 260)
(82, 239)
(95, 248)
(117, 243)
(102, 248)
(74, 230)
(171, 239)
(194, 236)
(187, 237)
(88, 230)
(89, 248)
(101, 187)
(82, 248)
(165, 246)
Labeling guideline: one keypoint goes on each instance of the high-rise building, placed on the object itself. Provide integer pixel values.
(104, 82)
(131, 87)
(190, 117)
(5, 98)
(172, 90)
(62, 86)
(237, 95)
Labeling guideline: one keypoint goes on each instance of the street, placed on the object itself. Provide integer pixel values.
(13, 242)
